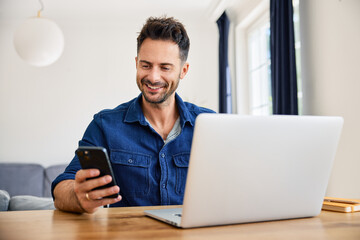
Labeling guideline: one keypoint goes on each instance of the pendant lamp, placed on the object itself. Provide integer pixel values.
(39, 41)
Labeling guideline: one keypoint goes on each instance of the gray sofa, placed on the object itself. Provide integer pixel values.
(25, 186)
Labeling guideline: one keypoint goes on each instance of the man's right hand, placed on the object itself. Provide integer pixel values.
(78, 195)
(88, 198)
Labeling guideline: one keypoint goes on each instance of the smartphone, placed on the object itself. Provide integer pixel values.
(97, 157)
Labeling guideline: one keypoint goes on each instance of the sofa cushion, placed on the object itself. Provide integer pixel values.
(50, 174)
(22, 179)
(22, 203)
(4, 200)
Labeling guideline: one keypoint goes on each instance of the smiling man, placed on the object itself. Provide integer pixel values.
(148, 138)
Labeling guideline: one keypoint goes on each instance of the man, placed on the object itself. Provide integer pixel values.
(148, 138)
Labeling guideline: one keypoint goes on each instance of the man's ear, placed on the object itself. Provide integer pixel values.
(184, 70)
(136, 62)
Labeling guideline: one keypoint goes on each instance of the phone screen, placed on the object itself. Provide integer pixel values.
(97, 157)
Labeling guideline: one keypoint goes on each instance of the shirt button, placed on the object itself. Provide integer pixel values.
(163, 155)
(163, 186)
(130, 161)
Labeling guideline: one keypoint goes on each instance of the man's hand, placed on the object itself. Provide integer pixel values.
(90, 200)
(78, 195)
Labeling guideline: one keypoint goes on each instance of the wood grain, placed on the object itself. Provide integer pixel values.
(130, 223)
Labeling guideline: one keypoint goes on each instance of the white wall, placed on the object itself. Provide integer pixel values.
(44, 111)
(330, 44)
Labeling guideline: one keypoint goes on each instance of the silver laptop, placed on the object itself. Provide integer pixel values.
(254, 168)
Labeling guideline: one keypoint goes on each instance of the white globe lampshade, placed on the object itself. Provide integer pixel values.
(39, 41)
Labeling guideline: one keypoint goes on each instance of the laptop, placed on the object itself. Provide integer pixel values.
(255, 168)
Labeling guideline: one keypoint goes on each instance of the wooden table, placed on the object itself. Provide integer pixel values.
(130, 223)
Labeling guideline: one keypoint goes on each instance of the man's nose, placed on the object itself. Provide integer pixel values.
(154, 74)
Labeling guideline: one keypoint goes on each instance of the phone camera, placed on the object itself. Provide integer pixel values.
(87, 157)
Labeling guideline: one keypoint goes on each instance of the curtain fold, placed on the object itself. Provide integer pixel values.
(283, 64)
(225, 102)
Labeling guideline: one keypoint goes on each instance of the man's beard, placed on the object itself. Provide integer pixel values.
(163, 97)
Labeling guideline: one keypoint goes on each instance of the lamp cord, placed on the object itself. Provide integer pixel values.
(41, 9)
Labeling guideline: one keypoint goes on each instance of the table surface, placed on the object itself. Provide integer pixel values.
(131, 223)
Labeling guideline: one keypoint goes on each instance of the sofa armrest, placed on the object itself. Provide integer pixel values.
(4, 200)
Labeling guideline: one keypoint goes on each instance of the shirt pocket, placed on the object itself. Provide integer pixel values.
(181, 161)
(131, 171)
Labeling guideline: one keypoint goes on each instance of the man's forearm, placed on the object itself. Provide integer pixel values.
(65, 197)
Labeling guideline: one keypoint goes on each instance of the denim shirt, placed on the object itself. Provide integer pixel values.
(148, 171)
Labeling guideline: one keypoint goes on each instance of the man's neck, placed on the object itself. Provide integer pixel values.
(162, 117)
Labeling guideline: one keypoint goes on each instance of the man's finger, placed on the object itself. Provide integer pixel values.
(84, 174)
(101, 193)
(91, 205)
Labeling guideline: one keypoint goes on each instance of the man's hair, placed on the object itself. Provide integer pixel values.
(164, 28)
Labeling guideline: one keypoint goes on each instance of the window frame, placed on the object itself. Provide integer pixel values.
(256, 27)
(253, 14)
(249, 21)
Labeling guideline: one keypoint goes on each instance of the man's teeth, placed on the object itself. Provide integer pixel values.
(153, 88)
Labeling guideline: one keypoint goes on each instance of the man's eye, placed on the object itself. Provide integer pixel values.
(165, 68)
(145, 66)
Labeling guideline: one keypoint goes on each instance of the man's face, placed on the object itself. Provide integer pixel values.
(159, 70)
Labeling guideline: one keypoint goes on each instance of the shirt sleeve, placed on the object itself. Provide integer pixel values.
(93, 136)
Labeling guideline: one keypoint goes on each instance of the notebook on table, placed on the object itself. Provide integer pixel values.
(255, 168)
(345, 205)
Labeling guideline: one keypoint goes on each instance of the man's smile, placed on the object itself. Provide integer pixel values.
(153, 88)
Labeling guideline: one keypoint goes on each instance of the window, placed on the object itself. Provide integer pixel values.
(254, 71)
(259, 68)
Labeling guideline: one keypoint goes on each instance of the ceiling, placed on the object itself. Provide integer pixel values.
(105, 8)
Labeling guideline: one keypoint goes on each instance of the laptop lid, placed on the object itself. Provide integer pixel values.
(255, 168)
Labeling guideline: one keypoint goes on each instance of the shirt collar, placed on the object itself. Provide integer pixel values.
(185, 115)
(135, 113)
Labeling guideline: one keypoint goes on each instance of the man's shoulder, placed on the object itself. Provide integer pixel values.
(191, 107)
(195, 109)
